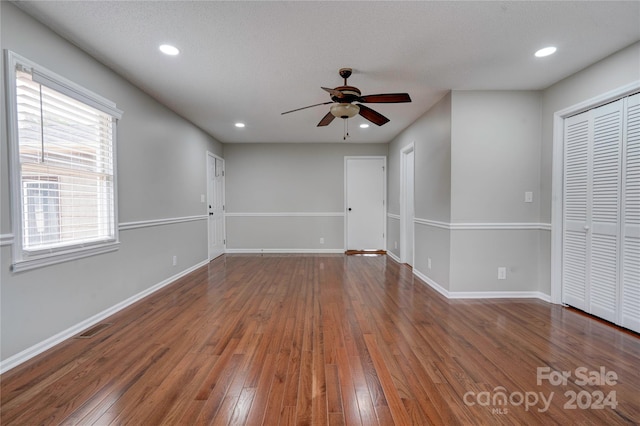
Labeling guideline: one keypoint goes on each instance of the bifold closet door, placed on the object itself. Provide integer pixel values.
(630, 269)
(601, 222)
(576, 221)
(592, 210)
(605, 210)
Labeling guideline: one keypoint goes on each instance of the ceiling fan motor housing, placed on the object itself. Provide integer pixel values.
(349, 94)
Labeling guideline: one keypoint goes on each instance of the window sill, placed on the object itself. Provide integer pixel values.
(60, 257)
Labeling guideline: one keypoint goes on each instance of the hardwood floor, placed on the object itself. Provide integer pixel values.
(329, 339)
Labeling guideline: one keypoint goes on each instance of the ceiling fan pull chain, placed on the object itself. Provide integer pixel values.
(346, 129)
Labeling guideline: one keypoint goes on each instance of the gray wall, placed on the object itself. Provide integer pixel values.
(431, 136)
(161, 175)
(287, 196)
(495, 151)
(476, 152)
(500, 146)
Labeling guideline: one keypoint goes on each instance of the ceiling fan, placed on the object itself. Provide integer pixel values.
(343, 98)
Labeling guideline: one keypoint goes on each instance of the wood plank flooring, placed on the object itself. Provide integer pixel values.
(329, 340)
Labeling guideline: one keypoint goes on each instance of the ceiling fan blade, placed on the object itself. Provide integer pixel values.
(385, 98)
(326, 120)
(310, 106)
(333, 92)
(372, 116)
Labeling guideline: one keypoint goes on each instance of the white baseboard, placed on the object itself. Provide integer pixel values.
(393, 256)
(431, 283)
(499, 295)
(481, 294)
(281, 251)
(27, 354)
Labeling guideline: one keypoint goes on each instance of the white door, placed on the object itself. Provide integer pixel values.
(365, 202)
(630, 268)
(601, 223)
(215, 202)
(407, 207)
(605, 210)
(592, 210)
(575, 271)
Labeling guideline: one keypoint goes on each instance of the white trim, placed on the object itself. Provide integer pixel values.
(393, 256)
(481, 294)
(434, 223)
(558, 172)
(479, 226)
(64, 256)
(283, 251)
(501, 226)
(60, 84)
(499, 295)
(125, 226)
(6, 239)
(284, 214)
(406, 217)
(431, 283)
(596, 101)
(393, 216)
(38, 348)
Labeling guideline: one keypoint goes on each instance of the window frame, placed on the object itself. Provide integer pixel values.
(22, 259)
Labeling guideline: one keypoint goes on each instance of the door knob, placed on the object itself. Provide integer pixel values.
(349, 208)
(586, 227)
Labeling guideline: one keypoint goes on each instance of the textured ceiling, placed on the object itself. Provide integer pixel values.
(250, 61)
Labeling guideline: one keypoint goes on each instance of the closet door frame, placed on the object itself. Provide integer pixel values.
(557, 177)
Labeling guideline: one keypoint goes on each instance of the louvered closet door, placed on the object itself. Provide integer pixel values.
(601, 216)
(605, 210)
(630, 282)
(575, 269)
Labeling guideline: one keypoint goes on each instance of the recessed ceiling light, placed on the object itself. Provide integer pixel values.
(168, 49)
(239, 124)
(545, 52)
(364, 125)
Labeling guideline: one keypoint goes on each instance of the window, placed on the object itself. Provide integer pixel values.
(62, 140)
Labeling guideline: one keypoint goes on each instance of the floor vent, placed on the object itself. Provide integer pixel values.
(87, 334)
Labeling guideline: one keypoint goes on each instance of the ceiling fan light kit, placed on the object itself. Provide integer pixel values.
(344, 110)
(343, 98)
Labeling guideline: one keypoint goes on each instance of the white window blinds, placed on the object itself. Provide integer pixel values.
(63, 171)
(66, 168)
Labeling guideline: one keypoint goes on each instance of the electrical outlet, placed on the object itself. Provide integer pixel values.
(502, 273)
(429, 262)
(175, 260)
(202, 198)
(322, 240)
(395, 245)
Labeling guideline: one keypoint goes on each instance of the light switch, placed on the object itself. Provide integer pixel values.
(528, 197)
(502, 273)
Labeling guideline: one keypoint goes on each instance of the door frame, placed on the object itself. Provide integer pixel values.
(207, 203)
(557, 175)
(404, 225)
(384, 194)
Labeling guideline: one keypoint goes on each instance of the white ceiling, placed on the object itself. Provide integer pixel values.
(250, 61)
